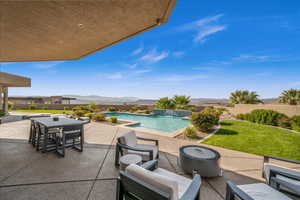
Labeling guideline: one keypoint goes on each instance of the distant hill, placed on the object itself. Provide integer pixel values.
(135, 100)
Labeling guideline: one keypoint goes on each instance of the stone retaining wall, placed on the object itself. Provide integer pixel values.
(246, 108)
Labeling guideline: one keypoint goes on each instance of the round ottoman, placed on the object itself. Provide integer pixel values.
(199, 159)
(130, 159)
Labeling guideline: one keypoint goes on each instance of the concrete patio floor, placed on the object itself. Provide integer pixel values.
(27, 174)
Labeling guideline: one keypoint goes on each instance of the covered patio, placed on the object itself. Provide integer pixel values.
(10, 80)
(27, 174)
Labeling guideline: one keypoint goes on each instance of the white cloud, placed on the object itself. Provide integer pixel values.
(208, 20)
(263, 74)
(207, 31)
(113, 76)
(296, 84)
(142, 71)
(204, 27)
(178, 54)
(177, 77)
(153, 56)
(132, 66)
(138, 51)
(249, 57)
(47, 65)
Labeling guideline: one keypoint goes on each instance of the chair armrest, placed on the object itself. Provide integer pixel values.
(292, 187)
(123, 146)
(150, 165)
(274, 172)
(232, 190)
(267, 157)
(193, 190)
(148, 139)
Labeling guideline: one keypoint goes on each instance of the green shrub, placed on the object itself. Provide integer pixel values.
(10, 105)
(147, 111)
(80, 113)
(203, 121)
(241, 116)
(112, 109)
(284, 122)
(268, 117)
(215, 112)
(89, 115)
(93, 107)
(99, 117)
(190, 132)
(66, 108)
(82, 108)
(295, 123)
(32, 106)
(2, 113)
(113, 120)
(136, 107)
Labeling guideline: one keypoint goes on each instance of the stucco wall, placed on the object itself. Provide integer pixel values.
(245, 108)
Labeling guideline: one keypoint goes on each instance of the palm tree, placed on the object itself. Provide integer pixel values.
(164, 103)
(291, 97)
(181, 101)
(244, 97)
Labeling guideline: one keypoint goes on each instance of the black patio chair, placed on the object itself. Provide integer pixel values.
(284, 179)
(128, 144)
(42, 142)
(70, 136)
(149, 182)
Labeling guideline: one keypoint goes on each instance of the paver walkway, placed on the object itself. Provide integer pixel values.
(27, 174)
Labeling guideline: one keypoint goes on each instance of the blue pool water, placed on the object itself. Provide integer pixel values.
(155, 122)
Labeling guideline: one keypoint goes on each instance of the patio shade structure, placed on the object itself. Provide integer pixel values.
(67, 30)
(10, 80)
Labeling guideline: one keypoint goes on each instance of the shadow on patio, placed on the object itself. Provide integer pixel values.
(28, 174)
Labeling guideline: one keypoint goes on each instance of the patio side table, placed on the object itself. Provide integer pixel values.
(128, 159)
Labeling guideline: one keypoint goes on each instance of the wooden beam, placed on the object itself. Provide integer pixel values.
(11, 80)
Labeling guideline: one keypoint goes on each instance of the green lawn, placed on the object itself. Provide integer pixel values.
(257, 139)
(47, 111)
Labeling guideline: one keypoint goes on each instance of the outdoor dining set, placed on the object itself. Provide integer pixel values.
(56, 134)
(141, 178)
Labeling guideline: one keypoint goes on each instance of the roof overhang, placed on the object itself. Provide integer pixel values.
(11, 80)
(67, 30)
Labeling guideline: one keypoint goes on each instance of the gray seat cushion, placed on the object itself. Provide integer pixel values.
(261, 191)
(161, 179)
(129, 139)
(145, 155)
(183, 182)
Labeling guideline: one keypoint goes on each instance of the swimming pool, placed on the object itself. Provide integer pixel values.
(155, 122)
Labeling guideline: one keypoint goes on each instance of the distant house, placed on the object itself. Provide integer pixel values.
(41, 100)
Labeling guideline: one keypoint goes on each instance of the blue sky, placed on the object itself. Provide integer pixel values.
(207, 49)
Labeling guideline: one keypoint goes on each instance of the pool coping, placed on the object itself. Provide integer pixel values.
(146, 130)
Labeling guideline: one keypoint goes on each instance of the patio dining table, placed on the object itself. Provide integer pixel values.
(50, 123)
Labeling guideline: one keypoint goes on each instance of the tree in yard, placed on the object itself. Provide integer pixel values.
(291, 97)
(164, 103)
(244, 97)
(181, 101)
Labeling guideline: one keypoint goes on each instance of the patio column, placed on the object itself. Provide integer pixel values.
(1, 99)
(5, 99)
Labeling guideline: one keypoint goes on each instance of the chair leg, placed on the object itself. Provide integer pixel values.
(37, 142)
(117, 155)
(229, 194)
(63, 145)
(120, 190)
